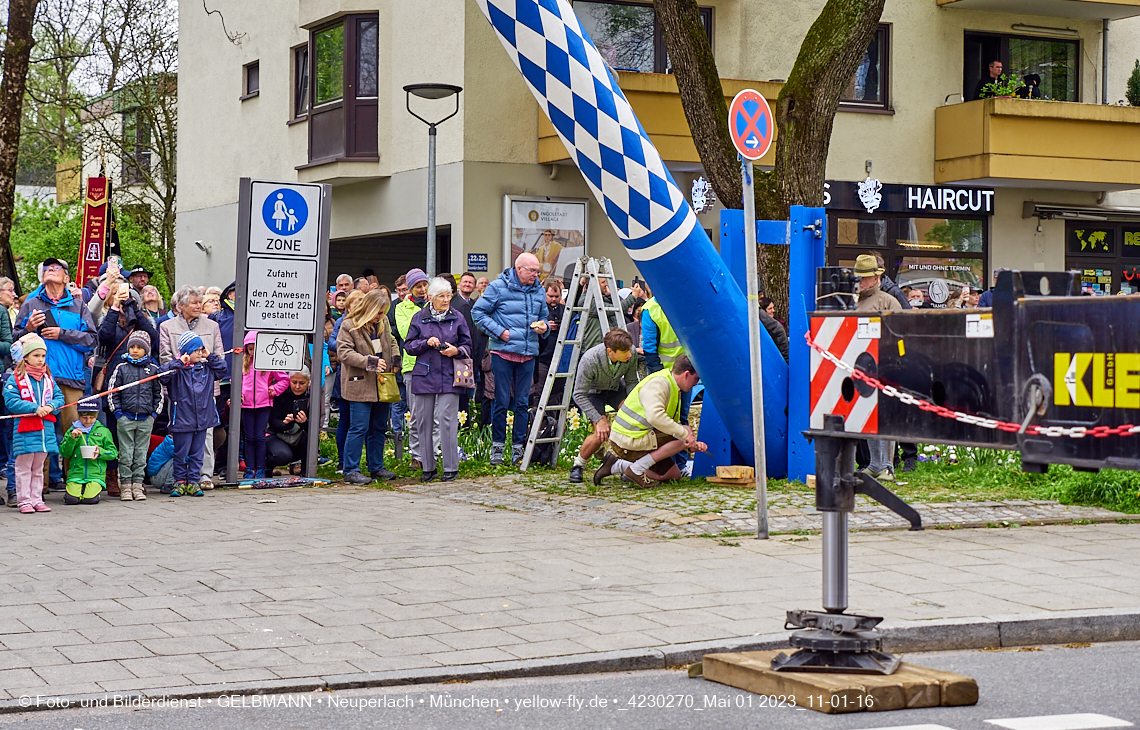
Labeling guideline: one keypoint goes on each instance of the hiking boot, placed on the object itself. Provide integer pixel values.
(193, 490)
(449, 476)
(910, 464)
(605, 469)
(517, 453)
(356, 477)
(385, 474)
(497, 454)
(113, 483)
(178, 490)
(139, 492)
(576, 475)
(638, 480)
(12, 501)
(428, 476)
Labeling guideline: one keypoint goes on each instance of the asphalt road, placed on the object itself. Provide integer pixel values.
(1103, 679)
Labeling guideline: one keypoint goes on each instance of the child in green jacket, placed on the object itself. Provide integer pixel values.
(86, 478)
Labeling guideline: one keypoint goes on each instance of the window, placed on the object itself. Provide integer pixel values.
(937, 256)
(136, 148)
(252, 74)
(1106, 254)
(868, 88)
(1055, 62)
(628, 35)
(300, 81)
(341, 100)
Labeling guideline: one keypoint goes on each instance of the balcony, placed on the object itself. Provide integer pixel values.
(1082, 9)
(657, 102)
(1037, 144)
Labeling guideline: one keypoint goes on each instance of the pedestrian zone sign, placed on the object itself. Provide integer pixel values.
(285, 219)
(751, 125)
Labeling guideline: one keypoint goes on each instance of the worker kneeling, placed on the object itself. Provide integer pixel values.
(606, 373)
(647, 432)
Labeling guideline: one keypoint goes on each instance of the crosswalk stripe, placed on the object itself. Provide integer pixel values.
(1080, 721)
(910, 727)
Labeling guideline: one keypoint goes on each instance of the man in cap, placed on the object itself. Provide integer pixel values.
(68, 330)
(873, 299)
(139, 278)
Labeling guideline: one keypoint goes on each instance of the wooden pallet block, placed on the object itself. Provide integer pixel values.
(731, 482)
(910, 687)
(736, 472)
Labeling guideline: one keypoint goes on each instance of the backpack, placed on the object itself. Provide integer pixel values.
(544, 453)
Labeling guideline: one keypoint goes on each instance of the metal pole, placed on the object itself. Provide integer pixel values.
(241, 297)
(431, 263)
(754, 348)
(835, 562)
(316, 362)
(1104, 64)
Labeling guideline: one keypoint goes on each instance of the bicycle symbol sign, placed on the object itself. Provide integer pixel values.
(279, 352)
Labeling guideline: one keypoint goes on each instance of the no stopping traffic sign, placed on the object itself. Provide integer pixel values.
(751, 125)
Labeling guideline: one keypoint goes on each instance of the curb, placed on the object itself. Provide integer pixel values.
(982, 632)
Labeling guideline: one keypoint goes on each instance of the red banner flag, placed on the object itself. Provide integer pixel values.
(91, 246)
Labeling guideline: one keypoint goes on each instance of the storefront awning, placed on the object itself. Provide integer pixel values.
(1049, 211)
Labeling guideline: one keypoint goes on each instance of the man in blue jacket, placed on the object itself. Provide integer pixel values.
(69, 332)
(512, 311)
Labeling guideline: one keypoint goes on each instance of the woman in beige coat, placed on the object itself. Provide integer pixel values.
(365, 347)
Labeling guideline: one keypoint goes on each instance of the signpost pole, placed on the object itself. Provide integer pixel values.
(758, 447)
(316, 368)
(431, 262)
(241, 298)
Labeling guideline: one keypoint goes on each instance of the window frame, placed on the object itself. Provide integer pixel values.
(348, 105)
(254, 67)
(298, 95)
(660, 55)
(1003, 54)
(1115, 261)
(884, 105)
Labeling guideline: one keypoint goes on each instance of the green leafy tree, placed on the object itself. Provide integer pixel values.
(42, 230)
(1132, 90)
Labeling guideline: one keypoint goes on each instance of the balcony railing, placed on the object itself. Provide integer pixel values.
(657, 102)
(1085, 9)
(1038, 144)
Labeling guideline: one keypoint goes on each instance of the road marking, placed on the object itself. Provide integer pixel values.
(910, 727)
(1080, 721)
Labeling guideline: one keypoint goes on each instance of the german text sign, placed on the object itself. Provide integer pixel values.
(279, 351)
(282, 294)
(284, 219)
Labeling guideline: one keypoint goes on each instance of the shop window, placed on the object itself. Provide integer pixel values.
(300, 81)
(1107, 255)
(628, 35)
(861, 232)
(941, 234)
(251, 84)
(869, 86)
(941, 279)
(1056, 63)
(343, 94)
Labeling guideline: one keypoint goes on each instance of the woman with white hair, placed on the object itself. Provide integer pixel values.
(437, 335)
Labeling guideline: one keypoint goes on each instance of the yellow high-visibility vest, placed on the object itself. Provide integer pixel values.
(630, 420)
(668, 343)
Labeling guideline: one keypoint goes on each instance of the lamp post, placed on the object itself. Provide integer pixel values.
(432, 91)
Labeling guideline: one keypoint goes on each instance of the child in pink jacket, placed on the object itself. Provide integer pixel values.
(258, 389)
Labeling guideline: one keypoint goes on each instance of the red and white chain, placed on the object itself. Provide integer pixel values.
(962, 417)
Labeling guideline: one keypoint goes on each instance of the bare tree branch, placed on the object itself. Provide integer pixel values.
(235, 38)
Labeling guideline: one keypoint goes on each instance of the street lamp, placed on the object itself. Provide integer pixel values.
(432, 91)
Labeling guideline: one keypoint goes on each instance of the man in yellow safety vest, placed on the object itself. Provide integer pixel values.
(647, 432)
(661, 344)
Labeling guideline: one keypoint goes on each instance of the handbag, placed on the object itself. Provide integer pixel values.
(387, 389)
(464, 372)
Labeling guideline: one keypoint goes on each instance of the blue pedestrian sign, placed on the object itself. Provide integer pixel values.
(751, 125)
(285, 211)
(284, 219)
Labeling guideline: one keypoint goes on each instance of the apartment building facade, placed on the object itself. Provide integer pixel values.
(946, 187)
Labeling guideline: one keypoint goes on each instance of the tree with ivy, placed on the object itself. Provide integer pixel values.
(804, 113)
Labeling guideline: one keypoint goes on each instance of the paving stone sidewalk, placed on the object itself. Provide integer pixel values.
(731, 510)
(261, 585)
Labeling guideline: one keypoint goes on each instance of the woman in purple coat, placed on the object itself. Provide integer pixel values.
(437, 335)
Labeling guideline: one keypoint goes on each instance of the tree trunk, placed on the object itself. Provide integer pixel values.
(702, 97)
(805, 113)
(17, 52)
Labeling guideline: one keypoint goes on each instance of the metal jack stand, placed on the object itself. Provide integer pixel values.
(831, 640)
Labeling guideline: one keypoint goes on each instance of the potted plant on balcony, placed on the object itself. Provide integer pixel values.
(1003, 87)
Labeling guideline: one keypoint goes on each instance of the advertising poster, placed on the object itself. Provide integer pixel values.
(940, 279)
(553, 230)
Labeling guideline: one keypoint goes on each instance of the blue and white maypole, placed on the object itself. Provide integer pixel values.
(576, 90)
